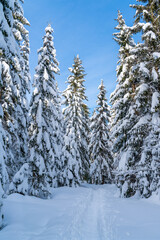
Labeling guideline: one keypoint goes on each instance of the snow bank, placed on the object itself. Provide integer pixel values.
(86, 213)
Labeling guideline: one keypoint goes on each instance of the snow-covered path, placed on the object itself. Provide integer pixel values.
(85, 213)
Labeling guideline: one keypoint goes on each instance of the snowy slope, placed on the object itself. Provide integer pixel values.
(85, 213)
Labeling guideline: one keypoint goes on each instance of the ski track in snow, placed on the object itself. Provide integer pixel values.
(86, 213)
(89, 220)
(90, 213)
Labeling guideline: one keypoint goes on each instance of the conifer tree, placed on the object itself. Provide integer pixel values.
(76, 116)
(21, 80)
(100, 152)
(141, 121)
(45, 126)
(8, 56)
(149, 60)
(121, 100)
(11, 73)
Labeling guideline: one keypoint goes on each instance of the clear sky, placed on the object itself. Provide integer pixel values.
(83, 27)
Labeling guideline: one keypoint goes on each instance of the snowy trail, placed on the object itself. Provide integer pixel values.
(88, 222)
(86, 213)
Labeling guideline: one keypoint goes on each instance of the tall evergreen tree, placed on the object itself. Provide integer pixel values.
(140, 122)
(100, 152)
(8, 56)
(76, 116)
(21, 80)
(43, 170)
(11, 73)
(45, 126)
(149, 60)
(121, 100)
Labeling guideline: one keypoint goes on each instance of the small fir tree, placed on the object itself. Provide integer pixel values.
(100, 152)
(76, 116)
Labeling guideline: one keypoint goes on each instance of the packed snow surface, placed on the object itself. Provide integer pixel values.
(86, 213)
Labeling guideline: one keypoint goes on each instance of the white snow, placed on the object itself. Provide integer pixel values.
(143, 69)
(85, 213)
(150, 34)
(156, 55)
(123, 161)
(45, 75)
(142, 88)
(147, 25)
(155, 101)
(142, 121)
(154, 75)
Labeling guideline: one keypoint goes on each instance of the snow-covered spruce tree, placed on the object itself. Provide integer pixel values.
(21, 80)
(76, 116)
(121, 100)
(149, 13)
(11, 70)
(65, 177)
(45, 126)
(100, 152)
(8, 56)
(137, 156)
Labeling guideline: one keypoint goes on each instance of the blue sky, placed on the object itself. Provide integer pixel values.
(83, 27)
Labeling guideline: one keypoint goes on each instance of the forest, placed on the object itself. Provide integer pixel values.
(52, 139)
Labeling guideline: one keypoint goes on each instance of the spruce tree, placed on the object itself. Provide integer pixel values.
(21, 80)
(11, 73)
(121, 100)
(76, 116)
(100, 152)
(45, 126)
(141, 121)
(149, 13)
(8, 57)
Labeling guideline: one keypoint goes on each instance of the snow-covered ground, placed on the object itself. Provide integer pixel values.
(84, 213)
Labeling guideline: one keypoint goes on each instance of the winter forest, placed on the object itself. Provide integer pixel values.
(51, 140)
